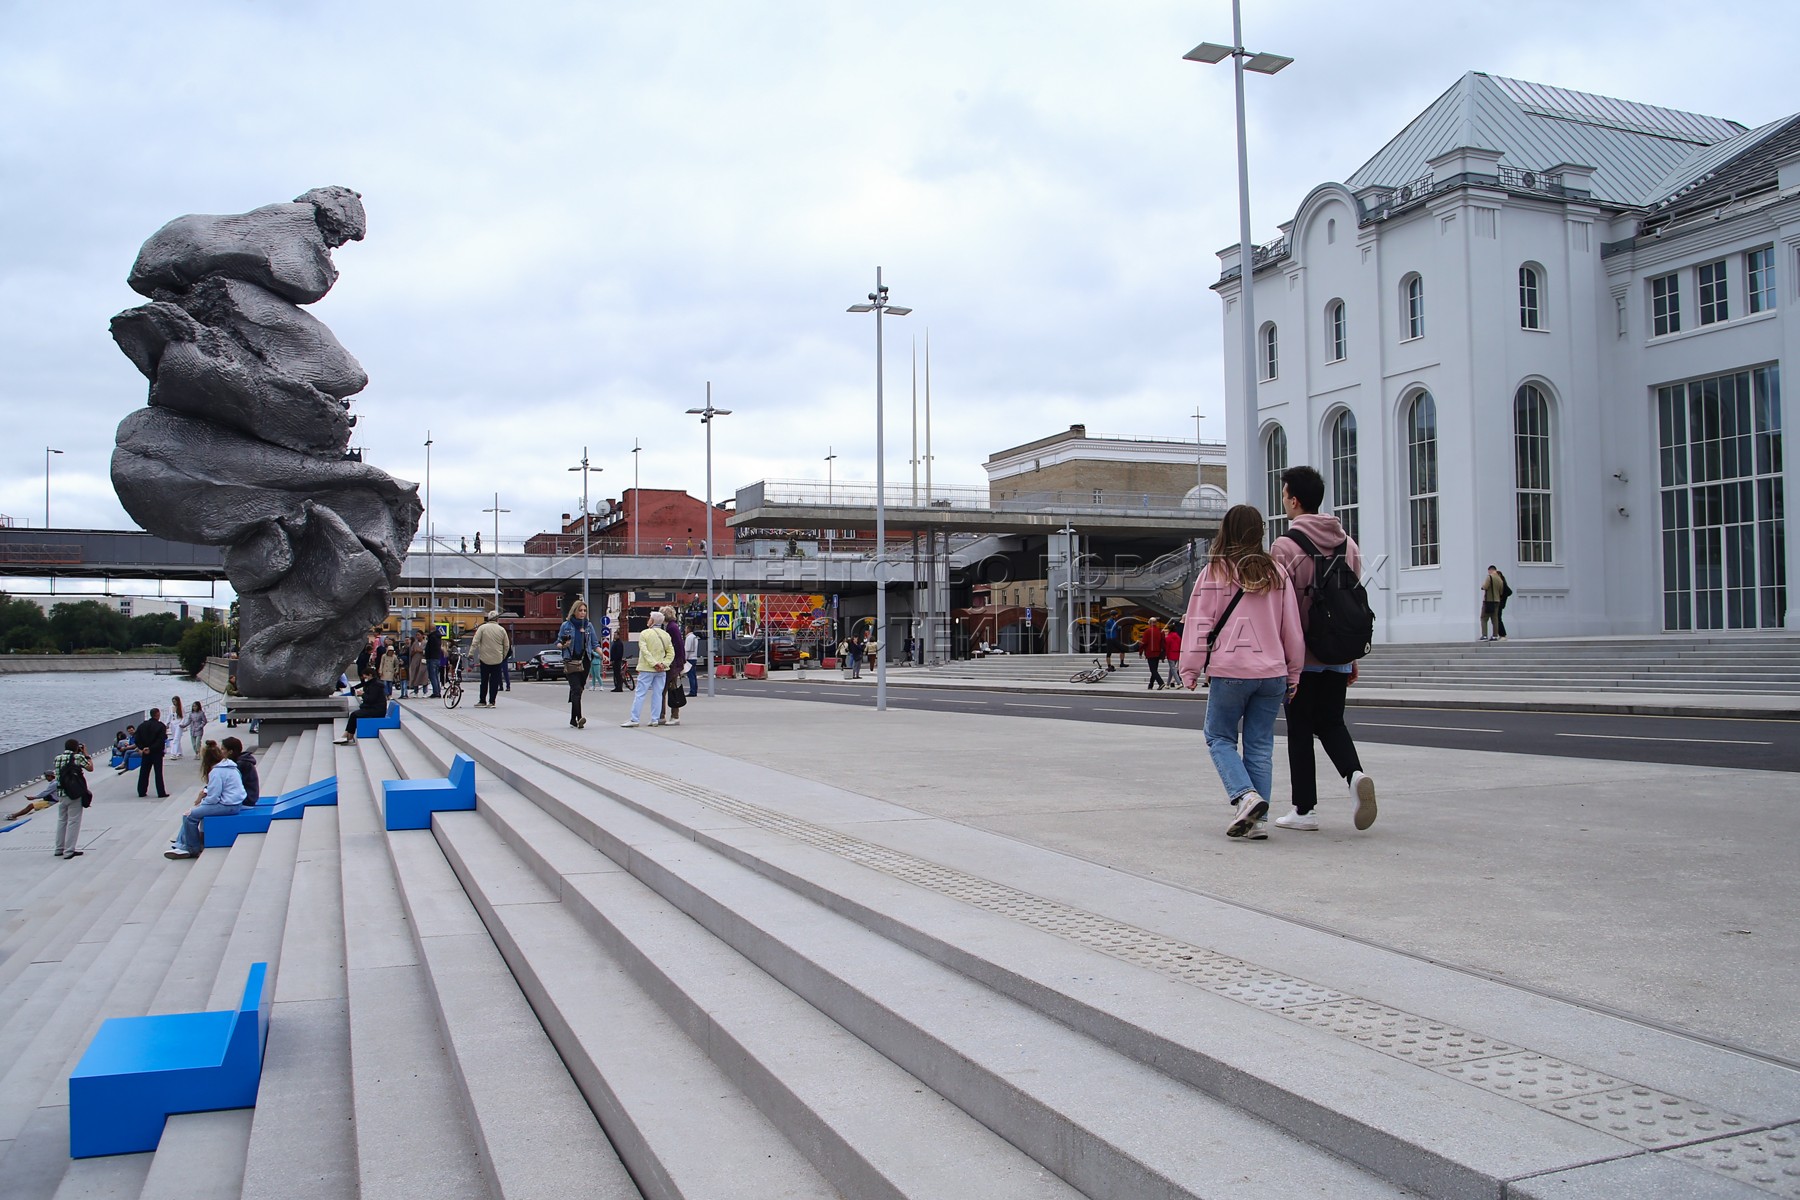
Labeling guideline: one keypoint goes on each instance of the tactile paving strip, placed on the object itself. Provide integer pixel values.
(1769, 1160)
(1588, 1097)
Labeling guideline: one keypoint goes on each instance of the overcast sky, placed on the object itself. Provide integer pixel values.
(580, 213)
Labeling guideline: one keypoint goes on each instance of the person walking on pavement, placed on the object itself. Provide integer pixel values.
(492, 648)
(691, 651)
(390, 670)
(578, 640)
(177, 726)
(417, 673)
(1114, 637)
(73, 795)
(673, 697)
(1150, 642)
(854, 648)
(151, 738)
(618, 656)
(1246, 641)
(434, 661)
(1317, 709)
(195, 724)
(1493, 595)
(656, 653)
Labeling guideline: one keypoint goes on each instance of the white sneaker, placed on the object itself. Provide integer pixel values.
(1251, 808)
(629, 725)
(1298, 820)
(1363, 788)
(1259, 832)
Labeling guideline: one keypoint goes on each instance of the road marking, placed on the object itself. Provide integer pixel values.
(1442, 728)
(1025, 704)
(1628, 737)
(1142, 712)
(945, 700)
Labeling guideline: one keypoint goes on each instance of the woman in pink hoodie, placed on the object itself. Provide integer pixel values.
(1243, 635)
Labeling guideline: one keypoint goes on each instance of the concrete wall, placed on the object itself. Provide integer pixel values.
(24, 664)
(216, 674)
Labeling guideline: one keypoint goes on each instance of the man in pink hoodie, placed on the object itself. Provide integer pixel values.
(1317, 706)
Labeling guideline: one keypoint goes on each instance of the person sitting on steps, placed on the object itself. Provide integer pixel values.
(374, 704)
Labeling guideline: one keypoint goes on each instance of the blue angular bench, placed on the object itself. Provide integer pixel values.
(368, 727)
(139, 1070)
(409, 803)
(130, 761)
(289, 806)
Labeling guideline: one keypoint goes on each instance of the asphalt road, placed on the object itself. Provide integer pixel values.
(1692, 741)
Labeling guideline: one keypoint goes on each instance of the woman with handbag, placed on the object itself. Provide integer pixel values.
(1247, 645)
(578, 641)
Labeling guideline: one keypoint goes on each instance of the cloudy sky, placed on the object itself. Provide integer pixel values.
(580, 213)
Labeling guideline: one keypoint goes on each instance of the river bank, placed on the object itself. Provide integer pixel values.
(41, 664)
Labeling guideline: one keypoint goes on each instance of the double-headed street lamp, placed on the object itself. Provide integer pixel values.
(878, 304)
(47, 453)
(706, 416)
(497, 510)
(584, 467)
(430, 550)
(1263, 64)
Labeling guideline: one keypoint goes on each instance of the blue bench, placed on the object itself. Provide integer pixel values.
(367, 727)
(409, 803)
(130, 761)
(289, 806)
(139, 1070)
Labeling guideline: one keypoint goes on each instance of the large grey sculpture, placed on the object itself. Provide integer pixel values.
(244, 441)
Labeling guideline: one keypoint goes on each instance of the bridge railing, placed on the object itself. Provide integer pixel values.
(815, 493)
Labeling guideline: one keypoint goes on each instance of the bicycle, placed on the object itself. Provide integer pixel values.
(1093, 674)
(453, 688)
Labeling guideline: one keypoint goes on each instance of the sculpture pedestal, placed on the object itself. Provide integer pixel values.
(280, 719)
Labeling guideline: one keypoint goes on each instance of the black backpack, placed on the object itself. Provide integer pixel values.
(72, 780)
(1340, 628)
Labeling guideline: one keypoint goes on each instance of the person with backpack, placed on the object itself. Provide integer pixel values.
(72, 766)
(1245, 643)
(1494, 592)
(1325, 564)
(1114, 637)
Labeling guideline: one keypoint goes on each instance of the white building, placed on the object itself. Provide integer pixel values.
(1541, 329)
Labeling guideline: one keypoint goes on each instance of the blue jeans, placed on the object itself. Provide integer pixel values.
(1252, 705)
(189, 840)
(693, 674)
(649, 687)
(434, 669)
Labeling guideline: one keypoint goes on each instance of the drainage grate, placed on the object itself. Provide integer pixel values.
(1588, 1097)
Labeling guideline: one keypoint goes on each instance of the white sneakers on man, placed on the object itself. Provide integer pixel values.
(1363, 788)
(1298, 820)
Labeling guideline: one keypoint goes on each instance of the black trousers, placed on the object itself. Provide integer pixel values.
(1156, 679)
(618, 668)
(1317, 710)
(148, 762)
(577, 685)
(490, 683)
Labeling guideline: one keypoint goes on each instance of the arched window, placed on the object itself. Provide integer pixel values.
(1531, 467)
(1270, 352)
(1412, 308)
(1337, 336)
(1531, 308)
(1331, 231)
(1342, 440)
(1422, 480)
(1275, 462)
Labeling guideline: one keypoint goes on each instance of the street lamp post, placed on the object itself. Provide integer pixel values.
(637, 500)
(430, 550)
(497, 510)
(1068, 532)
(584, 468)
(47, 453)
(706, 416)
(878, 304)
(1243, 447)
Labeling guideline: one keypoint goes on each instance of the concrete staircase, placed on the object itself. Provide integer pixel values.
(642, 969)
(1765, 663)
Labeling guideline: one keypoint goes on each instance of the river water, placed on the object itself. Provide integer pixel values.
(51, 705)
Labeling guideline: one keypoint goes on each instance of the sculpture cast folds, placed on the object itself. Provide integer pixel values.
(243, 443)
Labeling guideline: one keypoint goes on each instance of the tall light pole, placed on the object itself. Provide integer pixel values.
(47, 453)
(706, 416)
(1199, 457)
(430, 550)
(497, 510)
(1068, 532)
(637, 500)
(584, 468)
(1242, 448)
(878, 304)
(830, 473)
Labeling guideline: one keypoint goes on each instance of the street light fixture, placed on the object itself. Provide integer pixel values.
(636, 499)
(47, 453)
(706, 416)
(430, 550)
(584, 467)
(1263, 64)
(497, 510)
(878, 304)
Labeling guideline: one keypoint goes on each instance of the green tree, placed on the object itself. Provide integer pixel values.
(23, 626)
(89, 625)
(156, 629)
(196, 645)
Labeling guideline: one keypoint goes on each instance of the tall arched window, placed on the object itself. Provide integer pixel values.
(1531, 467)
(1531, 306)
(1271, 357)
(1412, 307)
(1422, 480)
(1275, 462)
(1337, 337)
(1344, 488)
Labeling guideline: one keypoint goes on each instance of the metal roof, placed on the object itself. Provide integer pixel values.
(1701, 167)
(1632, 147)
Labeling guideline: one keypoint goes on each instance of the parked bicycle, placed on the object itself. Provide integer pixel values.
(453, 688)
(1093, 674)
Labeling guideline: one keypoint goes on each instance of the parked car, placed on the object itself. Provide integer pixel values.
(545, 664)
(783, 650)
